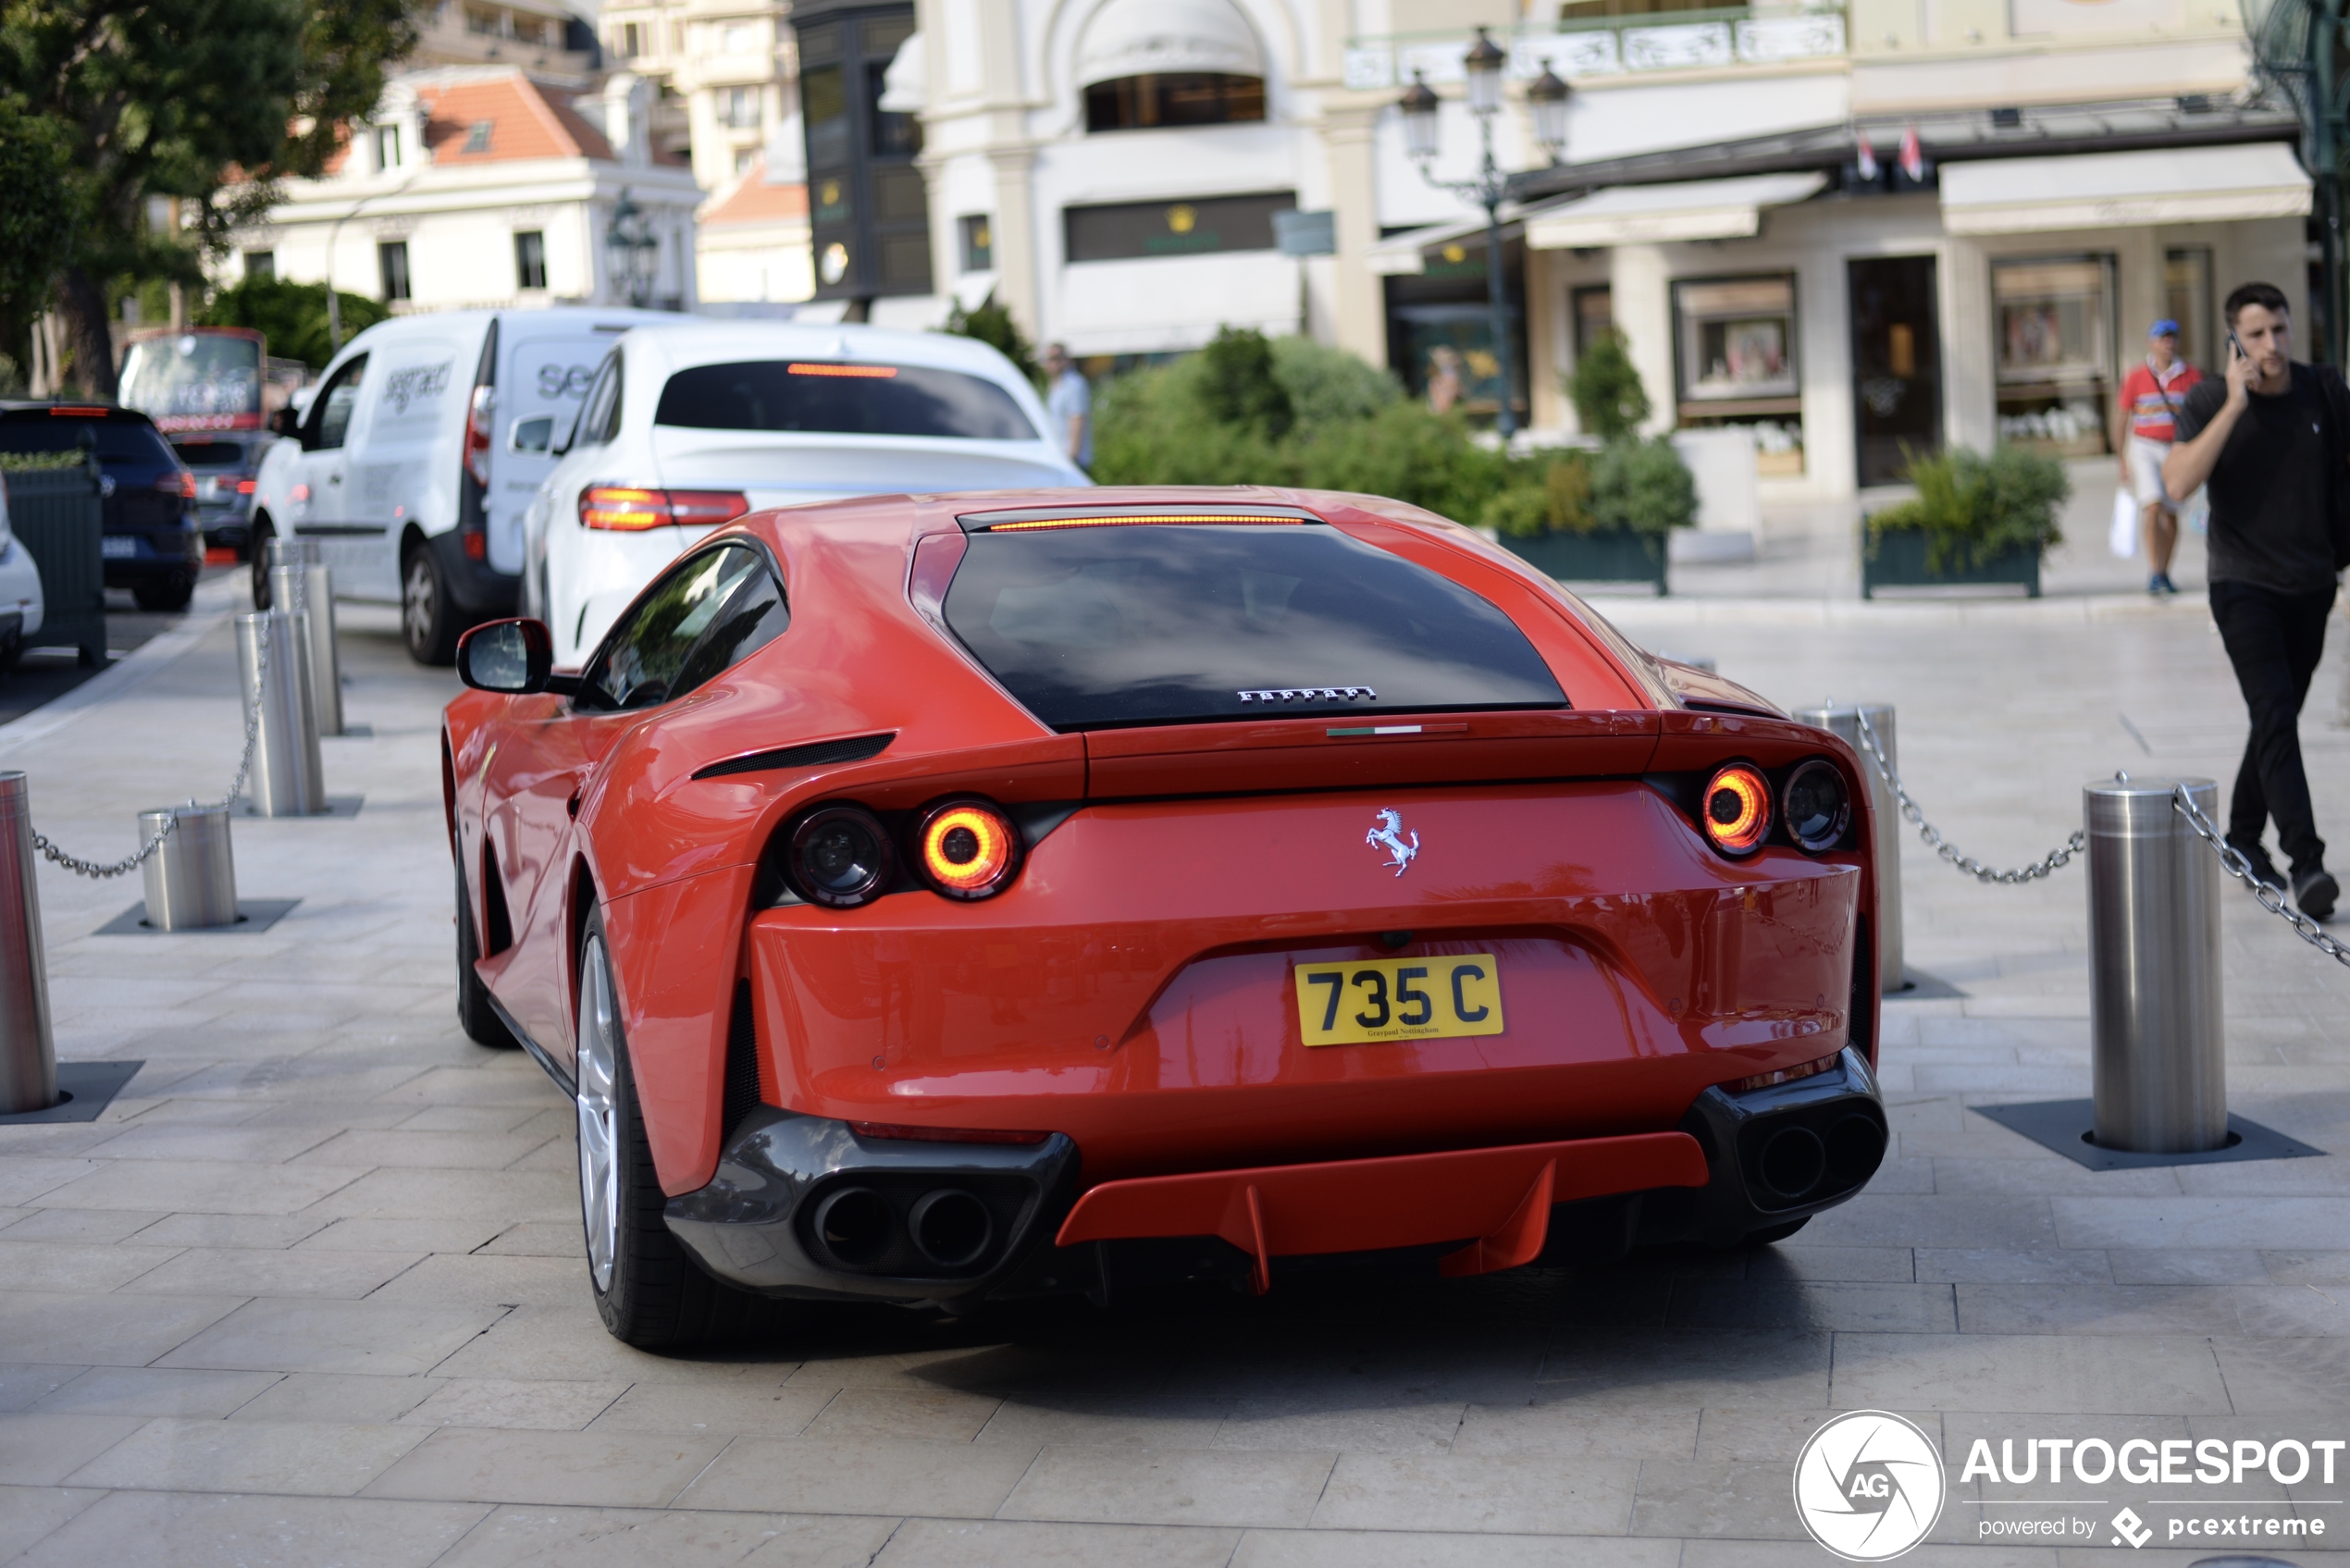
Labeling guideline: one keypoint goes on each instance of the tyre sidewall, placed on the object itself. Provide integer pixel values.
(645, 1256)
(436, 644)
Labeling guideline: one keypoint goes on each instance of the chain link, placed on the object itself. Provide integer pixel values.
(2270, 896)
(2055, 859)
(235, 791)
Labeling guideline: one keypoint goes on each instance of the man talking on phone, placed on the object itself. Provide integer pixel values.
(2269, 439)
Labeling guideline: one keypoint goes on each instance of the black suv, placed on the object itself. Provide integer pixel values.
(224, 463)
(154, 544)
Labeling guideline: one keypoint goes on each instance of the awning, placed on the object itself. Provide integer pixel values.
(1405, 254)
(1164, 37)
(1639, 214)
(2097, 190)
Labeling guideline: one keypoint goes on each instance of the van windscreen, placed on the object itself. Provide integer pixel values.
(1102, 627)
(841, 399)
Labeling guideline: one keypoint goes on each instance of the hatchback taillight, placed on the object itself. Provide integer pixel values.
(969, 849)
(478, 419)
(631, 508)
(1737, 810)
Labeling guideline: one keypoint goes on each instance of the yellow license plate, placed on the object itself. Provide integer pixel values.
(1373, 999)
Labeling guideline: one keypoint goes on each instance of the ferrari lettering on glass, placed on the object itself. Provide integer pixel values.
(1374, 999)
(923, 902)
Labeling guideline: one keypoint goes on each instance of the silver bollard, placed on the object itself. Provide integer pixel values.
(192, 877)
(1845, 723)
(283, 551)
(2156, 1031)
(28, 1052)
(309, 590)
(288, 777)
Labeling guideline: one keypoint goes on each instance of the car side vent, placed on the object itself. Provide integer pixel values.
(816, 754)
(498, 926)
(742, 1062)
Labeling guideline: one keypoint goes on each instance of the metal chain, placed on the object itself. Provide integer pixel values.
(2053, 860)
(2270, 896)
(236, 792)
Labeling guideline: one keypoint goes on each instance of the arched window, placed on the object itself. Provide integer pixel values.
(1145, 62)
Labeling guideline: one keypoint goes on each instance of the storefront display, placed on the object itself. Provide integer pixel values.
(2054, 320)
(1735, 364)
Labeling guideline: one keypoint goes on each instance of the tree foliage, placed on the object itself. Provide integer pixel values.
(1606, 389)
(993, 326)
(1239, 387)
(291, 315)
(210, 102)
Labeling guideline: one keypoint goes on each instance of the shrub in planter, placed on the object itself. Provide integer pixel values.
(1973, 509)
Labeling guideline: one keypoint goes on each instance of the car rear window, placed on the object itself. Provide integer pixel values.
(1100, 628)
(842, 400)
(210, 454)
(119, 440)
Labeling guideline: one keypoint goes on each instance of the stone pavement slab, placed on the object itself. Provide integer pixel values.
(310, 1290)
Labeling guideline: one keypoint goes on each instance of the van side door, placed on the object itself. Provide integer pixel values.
(319, 501)
(406, 470)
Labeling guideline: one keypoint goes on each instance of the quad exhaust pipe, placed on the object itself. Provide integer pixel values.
(949, 1226)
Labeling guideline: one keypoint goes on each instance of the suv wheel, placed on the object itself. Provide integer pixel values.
(427, 621)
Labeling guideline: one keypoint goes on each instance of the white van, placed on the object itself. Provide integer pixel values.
(414, 463)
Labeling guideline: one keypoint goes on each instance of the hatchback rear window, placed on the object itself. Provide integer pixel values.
(119, 440)
(1099, 627)
(842, 400)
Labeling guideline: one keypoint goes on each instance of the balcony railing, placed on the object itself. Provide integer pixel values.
(1610, 45)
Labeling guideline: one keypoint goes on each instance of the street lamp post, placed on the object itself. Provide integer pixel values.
(1546, 96)
(633, 250)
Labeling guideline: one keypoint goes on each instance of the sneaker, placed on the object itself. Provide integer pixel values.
(2315, 890)
(2262, 867)
(2160, 582)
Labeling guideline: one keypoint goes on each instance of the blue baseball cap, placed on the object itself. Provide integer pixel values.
(2166, 328)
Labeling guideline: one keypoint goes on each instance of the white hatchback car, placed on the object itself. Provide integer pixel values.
(688, 424)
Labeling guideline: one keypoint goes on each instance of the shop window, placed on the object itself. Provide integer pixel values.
(2054, 317)
(1139, 102)
(392, 265)
(2186, 299)
(1735, 364)
(1207, 225)
(1602, 10)
(978, 236)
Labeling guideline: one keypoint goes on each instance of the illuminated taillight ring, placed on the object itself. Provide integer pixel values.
(1735, 810)
(1815, 806)
(839, 856)
(966, 849)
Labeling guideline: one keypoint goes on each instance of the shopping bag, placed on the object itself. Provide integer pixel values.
(2197, 515)
(2122, 538)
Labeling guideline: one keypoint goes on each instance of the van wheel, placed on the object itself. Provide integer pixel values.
(259, 547)
(427, 621)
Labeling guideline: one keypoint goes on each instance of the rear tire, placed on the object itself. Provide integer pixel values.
(649, 1294)
(427, 617)
(480, 1020)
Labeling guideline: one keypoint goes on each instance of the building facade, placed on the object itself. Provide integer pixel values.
(1121, 174)
(482, 186)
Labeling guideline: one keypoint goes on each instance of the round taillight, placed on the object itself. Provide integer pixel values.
(1815, 806)
(969, 849)
(1737, 810)
(840, 857)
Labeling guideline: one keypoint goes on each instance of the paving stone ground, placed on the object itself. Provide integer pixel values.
(310, 1292)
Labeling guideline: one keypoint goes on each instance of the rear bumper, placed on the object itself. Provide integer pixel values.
(773, 1219)
(478, 588)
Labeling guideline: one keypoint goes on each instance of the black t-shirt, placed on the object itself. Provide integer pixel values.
(2270, 505)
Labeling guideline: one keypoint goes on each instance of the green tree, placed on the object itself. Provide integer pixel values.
(1606, 389)
(210, 102)
(1238, 385)
(36, 220)
(291, 315)
(993, 326)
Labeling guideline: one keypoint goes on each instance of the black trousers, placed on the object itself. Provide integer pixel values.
(2274, 640)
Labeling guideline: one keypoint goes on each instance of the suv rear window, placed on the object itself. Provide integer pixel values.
(1099, 627)
(119, 441)
(210, 454)
(842, 400)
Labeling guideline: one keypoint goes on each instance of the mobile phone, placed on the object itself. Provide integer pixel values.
(2236, 344)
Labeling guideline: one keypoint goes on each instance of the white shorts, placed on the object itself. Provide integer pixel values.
(2146, 472)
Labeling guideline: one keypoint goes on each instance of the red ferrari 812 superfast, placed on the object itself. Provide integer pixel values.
(961, 898)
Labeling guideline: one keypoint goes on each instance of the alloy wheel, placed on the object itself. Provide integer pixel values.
(418, 602)
(599, 1100)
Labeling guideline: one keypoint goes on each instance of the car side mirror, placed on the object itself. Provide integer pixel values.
(514, 657)
(536, 433)
(284, 422)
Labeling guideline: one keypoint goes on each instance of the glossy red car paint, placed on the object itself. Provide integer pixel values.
(1132, 987)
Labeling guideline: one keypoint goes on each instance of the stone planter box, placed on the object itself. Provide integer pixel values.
(57, 514)
(1616, 555)
(1896, 560)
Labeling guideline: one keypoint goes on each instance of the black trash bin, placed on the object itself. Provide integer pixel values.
(57, 514)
